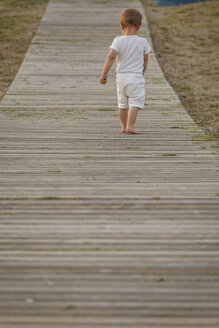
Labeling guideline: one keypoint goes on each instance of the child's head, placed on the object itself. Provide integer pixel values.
(130, 17)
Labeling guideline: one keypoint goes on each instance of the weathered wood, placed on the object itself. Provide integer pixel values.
(100, 229)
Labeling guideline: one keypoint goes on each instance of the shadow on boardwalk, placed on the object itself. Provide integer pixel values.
(100, 229)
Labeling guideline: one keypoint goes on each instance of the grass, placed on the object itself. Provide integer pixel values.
(169, 154)
(206, 137)
(185, 39)
(19, 20)
(50, 198)
(68, 307)
(160, 279)
(13, 198)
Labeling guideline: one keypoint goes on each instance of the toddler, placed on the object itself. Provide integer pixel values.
(131, 54)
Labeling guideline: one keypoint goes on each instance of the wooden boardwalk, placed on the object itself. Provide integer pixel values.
(100, 229)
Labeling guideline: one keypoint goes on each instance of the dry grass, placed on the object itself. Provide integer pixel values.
(185, 40)
(19, 20)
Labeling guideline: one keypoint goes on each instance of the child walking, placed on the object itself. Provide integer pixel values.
(131, 54)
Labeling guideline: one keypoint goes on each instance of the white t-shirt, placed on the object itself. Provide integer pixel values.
(131, 50)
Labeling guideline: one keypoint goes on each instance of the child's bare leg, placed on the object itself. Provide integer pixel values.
(132, 115)
(123, 114)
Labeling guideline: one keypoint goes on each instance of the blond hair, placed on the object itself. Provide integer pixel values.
(130, 17)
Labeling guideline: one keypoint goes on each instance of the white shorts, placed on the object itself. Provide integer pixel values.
(130, 90)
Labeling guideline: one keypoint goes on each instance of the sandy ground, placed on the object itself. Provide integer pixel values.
(186, 41)
(19, 20)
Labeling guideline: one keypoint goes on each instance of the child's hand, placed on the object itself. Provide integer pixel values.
(108, 63)
(103, 79)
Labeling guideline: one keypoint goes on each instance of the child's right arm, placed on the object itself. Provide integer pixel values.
(145, 63)
(108, 64)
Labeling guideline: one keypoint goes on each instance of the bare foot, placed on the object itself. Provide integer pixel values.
(123, 130)
(128, 130)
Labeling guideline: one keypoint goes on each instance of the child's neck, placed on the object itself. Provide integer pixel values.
(130, 30)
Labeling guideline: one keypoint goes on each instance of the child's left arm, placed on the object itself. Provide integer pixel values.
(108, 64)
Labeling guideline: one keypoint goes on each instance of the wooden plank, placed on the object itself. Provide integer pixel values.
(99, 229)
